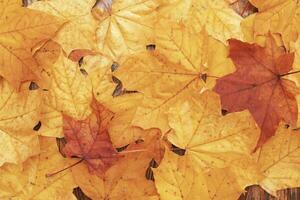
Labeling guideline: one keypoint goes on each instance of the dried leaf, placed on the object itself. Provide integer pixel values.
(259, 85)
(21, 29)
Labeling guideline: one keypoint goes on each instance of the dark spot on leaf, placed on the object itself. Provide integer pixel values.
(37, 126)
(75, 157)
(150, 47)
(203, 77)
(122, 148)
(80, 61)
(114, 66)
(139, 141)
(153, 163)
(83, 72)
(33, 86)
(25, 3)
(286, 126)
(61, 142)
(116, 80)
(118, 90)
(80, 194)
(149, 174)
(45, 90)
(224, 112)
(129, 91)
(178, 150)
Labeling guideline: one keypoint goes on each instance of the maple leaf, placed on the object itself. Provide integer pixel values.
(19, 112)
(126, 179)
(69, 91)
(179, 178)
(216, 17)
(81, 24)
(181, 60)
(125, 27)
(278, 16)
(28, 181)
(277, 160)
(258, 84)
(89, 139)
(176, 178)
(19, 34)
(208, 138)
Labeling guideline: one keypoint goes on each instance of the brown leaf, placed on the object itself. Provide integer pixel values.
(258, 84)
(89, 140)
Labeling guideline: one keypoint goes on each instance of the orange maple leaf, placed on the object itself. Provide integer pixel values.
(258, 85)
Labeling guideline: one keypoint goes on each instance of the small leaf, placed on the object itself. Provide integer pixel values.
(83, 72)
(120, 149)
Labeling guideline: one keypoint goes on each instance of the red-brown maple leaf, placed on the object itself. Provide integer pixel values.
(258, 85)
(89, 139)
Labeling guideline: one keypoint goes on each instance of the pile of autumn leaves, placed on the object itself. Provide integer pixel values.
(148, 99)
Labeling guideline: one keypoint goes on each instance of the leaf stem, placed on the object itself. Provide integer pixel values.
(53, 174)
(132, 151)
(286, 74)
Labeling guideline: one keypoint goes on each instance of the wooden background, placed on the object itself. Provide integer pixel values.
(257, 193)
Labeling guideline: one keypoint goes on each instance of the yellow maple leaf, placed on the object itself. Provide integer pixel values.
(180, 61)
(219, 20)
(17, 148)
(70, 92)
(28, 180)
(208, 138)
(19, 110)
(21, 30)
(278, 17)
(278, 161)
(178, 178)
(79, 32)
(222, 184)
(15, 177)
(127, 26)
(264, 5)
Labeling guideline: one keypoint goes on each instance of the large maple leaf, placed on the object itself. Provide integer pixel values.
(210, 139)
(21, 30)
(89, 140)
(178, 64)
(258, 84)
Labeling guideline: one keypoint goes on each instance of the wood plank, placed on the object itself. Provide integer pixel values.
(257, 193)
